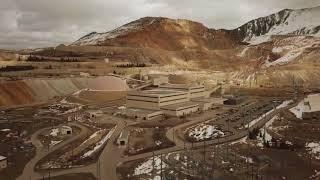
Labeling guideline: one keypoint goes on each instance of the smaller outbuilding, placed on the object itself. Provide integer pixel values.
(94, 113)
(3, 162)
(65, 130)
(123, 138)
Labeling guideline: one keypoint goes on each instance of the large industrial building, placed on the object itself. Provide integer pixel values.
(168, 99)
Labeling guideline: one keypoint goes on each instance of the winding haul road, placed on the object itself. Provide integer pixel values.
(112, 156)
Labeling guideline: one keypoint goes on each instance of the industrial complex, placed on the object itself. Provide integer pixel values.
(168, 100)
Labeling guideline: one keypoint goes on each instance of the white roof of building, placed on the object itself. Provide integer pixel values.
(124, 134)
(2, 158)
(65, 127)
(314, 101)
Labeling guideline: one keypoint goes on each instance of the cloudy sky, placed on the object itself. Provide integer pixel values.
(42, 23)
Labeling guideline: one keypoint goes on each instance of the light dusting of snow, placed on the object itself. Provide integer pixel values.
(259, 39)
(53, 143)
(100, 144)
(314, 149)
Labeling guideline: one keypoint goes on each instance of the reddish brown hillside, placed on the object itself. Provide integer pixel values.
(161, 33)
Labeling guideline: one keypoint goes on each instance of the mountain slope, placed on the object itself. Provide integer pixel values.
(285, 22)
(158, 40)
(160, 33)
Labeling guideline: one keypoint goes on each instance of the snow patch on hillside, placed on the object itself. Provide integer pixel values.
(289, 57)
(291, 48)
(259, 39)
(96, 38)
(243, 52)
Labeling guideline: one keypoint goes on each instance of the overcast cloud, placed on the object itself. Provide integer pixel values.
(43, 23)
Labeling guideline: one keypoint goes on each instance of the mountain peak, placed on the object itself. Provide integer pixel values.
(285, 22)
(146, 29)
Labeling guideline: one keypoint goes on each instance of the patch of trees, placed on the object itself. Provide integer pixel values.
(16, 68)
(33, 58)
(132, 65)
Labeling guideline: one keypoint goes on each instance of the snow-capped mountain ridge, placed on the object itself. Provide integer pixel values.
(286, 22)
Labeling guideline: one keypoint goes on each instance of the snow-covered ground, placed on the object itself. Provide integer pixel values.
(53, 143)
(309, 104)
(205, 131)
(240, 141)
(147, 166)
(100, 144)
(54, 132)
(93, 136)
(266, 137)
(314, 149)
(5, 130)
(255, 40)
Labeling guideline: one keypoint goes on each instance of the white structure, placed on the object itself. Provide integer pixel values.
(3, 162)
(123, 138)
(65, 130)
(168, 99)
(155, 99)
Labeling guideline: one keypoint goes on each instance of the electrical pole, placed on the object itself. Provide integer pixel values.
(161, 167)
